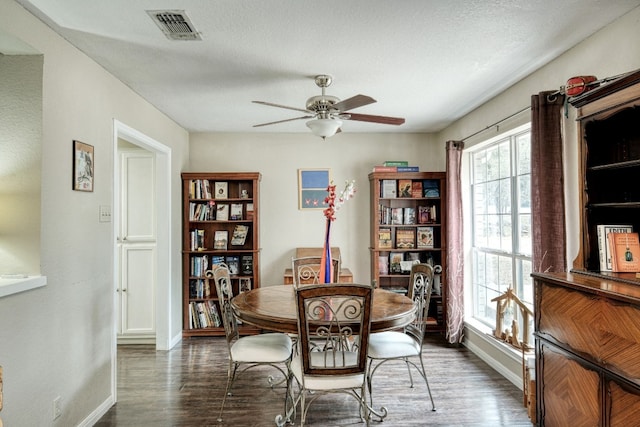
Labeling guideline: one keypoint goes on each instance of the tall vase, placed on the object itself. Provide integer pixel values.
(326, 265)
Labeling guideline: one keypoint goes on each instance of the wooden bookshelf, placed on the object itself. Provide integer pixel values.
(217, 205)
(408, 222)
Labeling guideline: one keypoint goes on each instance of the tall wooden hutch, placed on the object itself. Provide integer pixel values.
(588, 321)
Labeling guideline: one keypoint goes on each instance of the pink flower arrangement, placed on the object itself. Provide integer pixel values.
(335, 202)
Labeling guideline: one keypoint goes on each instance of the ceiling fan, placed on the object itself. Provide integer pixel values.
(327, 112)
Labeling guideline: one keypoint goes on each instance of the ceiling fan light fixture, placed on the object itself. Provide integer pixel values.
(324, 128)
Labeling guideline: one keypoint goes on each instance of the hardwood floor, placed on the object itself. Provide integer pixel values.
(184, 387)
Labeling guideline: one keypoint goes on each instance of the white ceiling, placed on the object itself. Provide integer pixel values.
(429, 61)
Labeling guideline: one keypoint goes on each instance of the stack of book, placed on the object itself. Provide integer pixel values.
(395, 166)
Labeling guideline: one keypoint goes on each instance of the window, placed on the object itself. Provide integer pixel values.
(500, 194)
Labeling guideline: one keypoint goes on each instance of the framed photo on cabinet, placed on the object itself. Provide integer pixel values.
(312, 188)
(83, 166)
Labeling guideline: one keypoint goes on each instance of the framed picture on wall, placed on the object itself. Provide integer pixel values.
(312, 188)
(83, 166)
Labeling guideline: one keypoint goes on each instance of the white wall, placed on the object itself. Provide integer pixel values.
(609, 52)
(57, 340)
(279, 156)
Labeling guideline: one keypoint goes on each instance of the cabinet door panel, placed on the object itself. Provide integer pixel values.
(571, 391)
(623, 404)
(620, 331)
(138, 289)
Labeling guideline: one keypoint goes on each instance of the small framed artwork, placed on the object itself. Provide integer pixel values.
(83, 166)
(312, 188)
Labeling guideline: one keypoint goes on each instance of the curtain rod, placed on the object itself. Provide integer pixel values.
(497, 123)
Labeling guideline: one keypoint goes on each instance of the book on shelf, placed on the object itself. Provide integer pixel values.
(239, 235)
(199, 288)
(383, 265)
(245, 284)
(201, 211)
(395, 258)
(412, 256)
(425, 237)
(217, 259)
(199, 264)
(403, 169)
(384, 214)
(427, 214)
(249, 211)
(388, 189)
(416, 189)
(397, 289)
(405, 238)
(602, 230)
(424, 214)
(220, 239)
(203, 315)
(430, 188)
(388, 169)
(221, 189)
(200, 189)
(397, 215)
(384, 238)
(409, 216)
(235, 212)
(222, 212)
(196, 237)
(246, 264)
(213, 309)
(233, 264)
(395, 163)
(206, 188)
(404, 188)
(625, 252)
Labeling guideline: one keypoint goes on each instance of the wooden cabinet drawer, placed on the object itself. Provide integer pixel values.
(603, 331)
(571, 390)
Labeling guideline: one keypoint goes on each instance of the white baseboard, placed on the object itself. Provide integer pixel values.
(514, 377)
(99, 412)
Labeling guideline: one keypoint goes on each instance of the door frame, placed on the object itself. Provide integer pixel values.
(163, 223)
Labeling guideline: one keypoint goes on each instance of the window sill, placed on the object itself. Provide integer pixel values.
(11, 285)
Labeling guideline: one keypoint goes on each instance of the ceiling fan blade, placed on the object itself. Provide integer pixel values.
(270, 104)
(377, 119)
(353, 102)
(283, 121)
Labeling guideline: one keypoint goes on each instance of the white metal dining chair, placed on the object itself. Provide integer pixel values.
(338, 315)
(405, 345)
(246, 352)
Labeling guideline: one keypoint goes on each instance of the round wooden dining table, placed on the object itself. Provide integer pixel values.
(274, 308)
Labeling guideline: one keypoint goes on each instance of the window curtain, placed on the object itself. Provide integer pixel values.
(547, 183)
(454, 249)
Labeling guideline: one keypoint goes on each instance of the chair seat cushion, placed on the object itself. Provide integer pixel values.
(275, 347)
(392, 344)
(329, 382)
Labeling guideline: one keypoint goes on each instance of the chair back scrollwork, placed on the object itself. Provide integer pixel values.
(224, 290)
(306, 270)
(420, 289)
(335, 319)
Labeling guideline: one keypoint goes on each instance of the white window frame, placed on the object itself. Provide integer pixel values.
(517, 275)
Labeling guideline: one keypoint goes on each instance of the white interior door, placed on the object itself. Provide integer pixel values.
(137, 242)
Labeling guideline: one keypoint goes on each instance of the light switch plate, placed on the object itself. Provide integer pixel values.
(105, 213)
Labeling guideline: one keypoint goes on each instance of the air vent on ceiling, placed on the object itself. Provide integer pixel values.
(175, 24)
